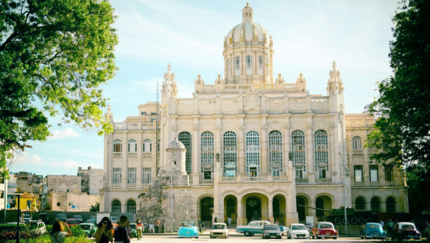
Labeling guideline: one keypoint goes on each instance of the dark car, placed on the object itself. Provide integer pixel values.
(61, 217)
(372, 230)
(44, 217)
(71, 222)
(271, 231)
(78, 218)
(405, 230)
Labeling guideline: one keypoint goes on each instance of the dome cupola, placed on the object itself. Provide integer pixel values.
(248, 52)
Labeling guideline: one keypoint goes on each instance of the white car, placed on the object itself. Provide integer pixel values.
(298, 231)
(219, 230)
(37, 226)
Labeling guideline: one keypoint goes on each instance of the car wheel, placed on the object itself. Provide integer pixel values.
(289, 237)
(247, 233)
(318, 237)
(362, 237)
(334, 238)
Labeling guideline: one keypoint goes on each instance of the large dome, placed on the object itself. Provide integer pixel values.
(247, 31)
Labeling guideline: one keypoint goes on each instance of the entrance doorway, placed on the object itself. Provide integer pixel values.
(205, 208)
(253, 208)
(300, 202)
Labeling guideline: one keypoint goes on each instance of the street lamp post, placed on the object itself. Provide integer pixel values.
(171, 203)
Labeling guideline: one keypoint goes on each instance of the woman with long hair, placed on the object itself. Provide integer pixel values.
(104, 231)
(58, 235)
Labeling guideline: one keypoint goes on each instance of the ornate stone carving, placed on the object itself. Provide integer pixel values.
(264, 126)
(287, 126)
(241, 127)
(218, 127)
(310, 126)
(196, 128)
(252, 100)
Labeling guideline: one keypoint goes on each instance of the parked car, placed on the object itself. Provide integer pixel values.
(298, 231)
(44, 217)
(37, 226)
(325, 230)
(114, 219)
(71, 222)
(219, 230)
(372, 231)
(271, 231)
(78, 218)
(405, 230)
(188, 229)
(27, 218)
(284, 230)
(254, 227)
(89, 229)
(133, 229)
(61, 217)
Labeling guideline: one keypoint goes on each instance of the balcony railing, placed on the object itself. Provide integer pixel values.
(302, 181)
(323, 181)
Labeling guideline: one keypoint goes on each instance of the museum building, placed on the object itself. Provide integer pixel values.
(256, 146)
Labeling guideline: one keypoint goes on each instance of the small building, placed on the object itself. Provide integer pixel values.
(92, 180)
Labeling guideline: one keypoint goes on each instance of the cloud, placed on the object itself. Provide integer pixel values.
(26, 158)
(93, 154)
(68, 132)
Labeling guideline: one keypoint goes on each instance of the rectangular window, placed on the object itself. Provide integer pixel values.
(153, 113)
(143, 113)
(358, 173)
(207, 173)
(299, 172)
(276, 171)
(131, 175)
(389, 173)
(146, 175)
(322, 172)
(373, 173)
(116, 176)
(58, 204)
(253, 171)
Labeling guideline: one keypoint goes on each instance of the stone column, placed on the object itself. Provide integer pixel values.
(241, 147)
(255, 63)
(270, 213)
(240, 219)
(264, 163)
(195, 151)
(309, 153)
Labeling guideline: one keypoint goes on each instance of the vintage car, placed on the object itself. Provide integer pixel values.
(405, 230)
(188, 229)
(89, 229)
(61, 217)
(254, 227)
(78, 218)
(298, 231)
(271, 231)
(284, 230)
(27, 218)
(219, 230)
(133, 229)
(325, 230)
(71, 222)
(37, 226)
(372, 231)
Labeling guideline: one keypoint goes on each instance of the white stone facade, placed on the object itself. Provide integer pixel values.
(255, 122)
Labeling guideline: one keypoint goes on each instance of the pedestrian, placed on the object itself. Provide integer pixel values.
(123, 231)
(58, 234)
(139, 229)
(390, 225)
(157, 226)
(268, 219)
(216, 220)
(104, 231)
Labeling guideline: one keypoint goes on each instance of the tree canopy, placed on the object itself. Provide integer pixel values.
(403, 107)
(54, 55)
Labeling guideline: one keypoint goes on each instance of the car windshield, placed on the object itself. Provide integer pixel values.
(325, 226)
(408, 226)
(133, 226)
(218, 227)
(271, 227)
(374, 226)
(298, 227)
(85, 227)
(71, 221)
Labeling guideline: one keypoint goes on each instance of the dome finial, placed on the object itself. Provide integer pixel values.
(247, 14)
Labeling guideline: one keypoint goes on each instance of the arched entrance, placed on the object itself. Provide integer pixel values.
(279, 208)
(324, 203)
(253, 208)
(230, 208)
(302, 208)
(206, 208)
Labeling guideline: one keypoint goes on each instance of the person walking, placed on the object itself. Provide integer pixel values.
(58, 234)
(139, 229)
(123, 232)
(104, 231)
(157, 226)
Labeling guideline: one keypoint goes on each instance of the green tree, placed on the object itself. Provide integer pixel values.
(54, 55)
(402, 134)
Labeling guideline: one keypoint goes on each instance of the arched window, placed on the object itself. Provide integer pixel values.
(117, 145)
(207, 155)
(147, 145)
(228, 64)
(391, 205)
(321, 153)
(131, 206)
(132, 146)
(252, 153)
(116, 206)
(248, 65)
(185, 138)
(237, 66)
(231, 207)
(298, 152)
(230, 154)
(375, 205)
(356, 142)
(275, 153)
(260, 65)
(319, 203)
(359, 204)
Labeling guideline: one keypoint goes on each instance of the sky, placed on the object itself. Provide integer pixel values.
(308, 36)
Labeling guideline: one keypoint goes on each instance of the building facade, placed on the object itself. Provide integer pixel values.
(256, 146)
(91, 180)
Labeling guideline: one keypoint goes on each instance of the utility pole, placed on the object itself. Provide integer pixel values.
(157, 129)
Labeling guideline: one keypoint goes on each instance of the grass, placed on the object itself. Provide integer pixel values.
(47, 239)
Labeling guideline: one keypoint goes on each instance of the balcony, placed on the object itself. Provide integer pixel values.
(206, 182)
(302, 181)
(131, 155)
(323, 181)
(255, 178)
(117, 154)
(131, 186)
